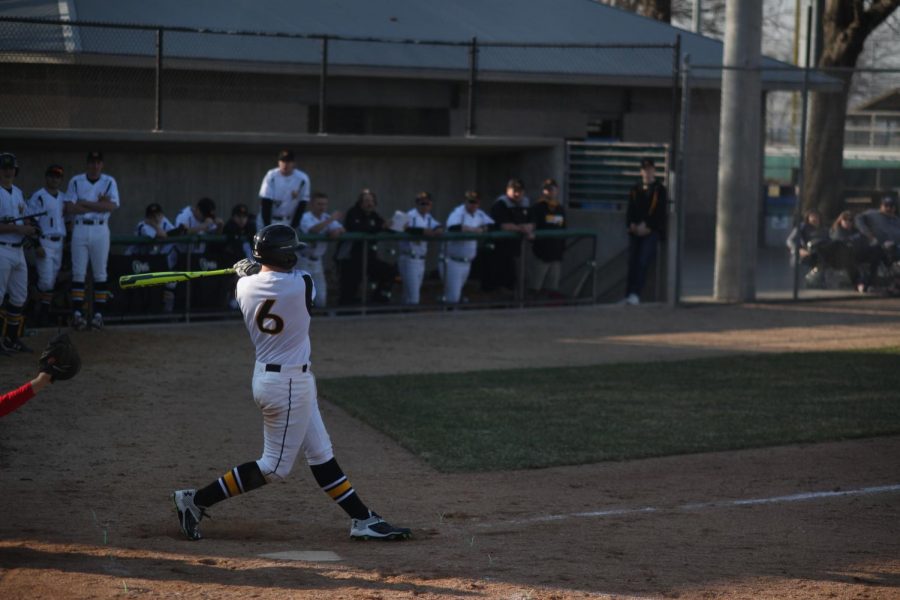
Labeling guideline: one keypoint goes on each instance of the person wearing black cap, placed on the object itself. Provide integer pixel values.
(13, 270)
(90, 199)
(284, 193)
(548, 214)
(239, 230)
(48, 255)
(646, 224)
(510, 212)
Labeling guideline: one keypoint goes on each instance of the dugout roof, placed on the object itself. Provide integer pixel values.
(453, 21)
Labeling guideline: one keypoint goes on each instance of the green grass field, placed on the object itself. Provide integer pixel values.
(532, 418)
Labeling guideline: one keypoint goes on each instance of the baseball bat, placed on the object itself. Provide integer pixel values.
(164, 277)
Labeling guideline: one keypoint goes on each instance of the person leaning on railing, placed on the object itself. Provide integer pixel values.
(363, 218)
(547, 214)
(411, 263)
(459, 254)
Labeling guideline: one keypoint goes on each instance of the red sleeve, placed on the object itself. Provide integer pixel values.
(10, 401)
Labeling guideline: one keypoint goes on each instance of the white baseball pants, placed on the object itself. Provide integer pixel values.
(412, 272)
(455, 275)
(48, 266)
(291, 420)
(90, 243)
(13, 275)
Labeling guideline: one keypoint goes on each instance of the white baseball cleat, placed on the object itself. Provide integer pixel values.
(376, 528)
(632, 300)
(189, 514)
(97, 321)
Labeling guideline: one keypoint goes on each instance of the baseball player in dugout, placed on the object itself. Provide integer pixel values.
(283, 194)
(48, 255)
(412, 254)
(646, 218)
(91, 198)
(458, 255)
(275, 300)
(14, 228)
(317, 221)
(198, 219)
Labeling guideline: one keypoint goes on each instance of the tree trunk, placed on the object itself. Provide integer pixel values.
(823, 169)
(846, 24)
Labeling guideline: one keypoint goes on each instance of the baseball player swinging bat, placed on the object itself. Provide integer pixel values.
(164, 277)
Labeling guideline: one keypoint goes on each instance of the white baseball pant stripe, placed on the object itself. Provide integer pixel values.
(13, 275)
(291, 420)
(48, 266)
(455, 275)
(90, 243)
(317, 271)
(412, 272)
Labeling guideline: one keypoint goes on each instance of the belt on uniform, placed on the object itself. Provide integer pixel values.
(272, 368)
(52, 238)
(89, 222)
(458, 259)
(310, 257)
(19, 245)
(411, 255)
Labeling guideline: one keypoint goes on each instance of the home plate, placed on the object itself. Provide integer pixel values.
(306, 555)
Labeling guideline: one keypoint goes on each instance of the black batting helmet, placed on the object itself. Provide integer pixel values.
(8, 161)
(276, 245)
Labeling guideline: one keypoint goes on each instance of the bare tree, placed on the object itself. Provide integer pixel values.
(846, 24)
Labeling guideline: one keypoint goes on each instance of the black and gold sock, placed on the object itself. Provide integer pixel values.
(332, 480)
(236, 481)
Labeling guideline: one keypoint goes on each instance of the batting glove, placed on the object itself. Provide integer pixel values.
(245, 267)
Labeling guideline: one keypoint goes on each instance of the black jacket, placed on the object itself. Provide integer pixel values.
(648, 204)
(547, 218)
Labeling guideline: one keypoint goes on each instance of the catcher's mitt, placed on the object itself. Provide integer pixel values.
(60, 358)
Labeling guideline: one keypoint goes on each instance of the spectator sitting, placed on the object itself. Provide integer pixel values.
(809, 242)
(156, 226)
(881, 227)
(854, 250)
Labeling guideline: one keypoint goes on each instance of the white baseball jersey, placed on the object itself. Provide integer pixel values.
(276, 315)
(418, 220)
(186, 217)
(285, 191)
(52, 224)
(144, 229)
(307, 222)
(460, 216)
(81, 188)
(12, 204)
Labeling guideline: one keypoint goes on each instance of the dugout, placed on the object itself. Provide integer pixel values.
(197, 100)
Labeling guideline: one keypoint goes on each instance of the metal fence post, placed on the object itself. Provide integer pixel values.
(681, 178)
(187, 284)
(798, 209)
(365, 272)
(323, 86)
(158, 123)
(473, 72)
(521, 287)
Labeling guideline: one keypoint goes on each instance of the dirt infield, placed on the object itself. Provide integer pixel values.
(86, 470)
